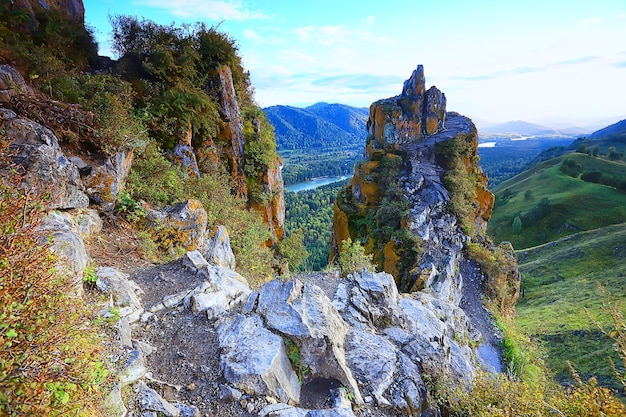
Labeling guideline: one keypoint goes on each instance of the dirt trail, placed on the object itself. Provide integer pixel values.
(480, 317)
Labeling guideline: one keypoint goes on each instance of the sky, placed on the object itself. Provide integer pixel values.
(552, 62)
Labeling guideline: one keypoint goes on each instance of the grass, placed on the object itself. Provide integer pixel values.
(575, 205)
(560, 288)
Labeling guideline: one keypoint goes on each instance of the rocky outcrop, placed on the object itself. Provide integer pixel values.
(179, 227)
(104, 177)
(404, 193)
(36, 150)
(408, 117)
(217, 249)
(229, 148)
(232, 131)
(273, 211)
(12, 84)
(373, 340)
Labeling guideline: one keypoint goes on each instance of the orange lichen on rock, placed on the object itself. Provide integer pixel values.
(390, 258)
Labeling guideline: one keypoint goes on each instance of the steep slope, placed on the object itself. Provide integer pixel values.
(560, 293)
(320, 126)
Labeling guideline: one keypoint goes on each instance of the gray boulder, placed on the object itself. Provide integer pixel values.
(306, 315)
(149, 400)
(181, 226)
(254, 359)
(373, 360)
(69, 247)
(222, 290)
(124, 292)
(45, 166)
(12, 83)
(106, 177)
(218, 251)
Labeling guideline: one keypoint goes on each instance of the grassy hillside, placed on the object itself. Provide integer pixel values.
(551, 204)
(559, 281)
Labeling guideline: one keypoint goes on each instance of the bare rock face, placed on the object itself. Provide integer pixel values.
(255, 360)
(407, 117)
(232, 133)
(45, 166)
(105, 178)
(12, 83)
(218, 251)
(405, 173)
(68, 246)
(273, 211)
(303, 313)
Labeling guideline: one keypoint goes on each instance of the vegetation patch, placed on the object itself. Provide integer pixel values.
(558, 204)
(51, 353)
(561, 299)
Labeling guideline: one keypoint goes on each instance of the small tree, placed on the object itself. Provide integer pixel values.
(293, 250)
(528, 195)
(517, 225)
(596, 150)
(353, 258)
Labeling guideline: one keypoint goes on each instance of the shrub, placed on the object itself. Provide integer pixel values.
(526, 389)
(352, 258)
(293, 250)
(571, 167)
(51, 360)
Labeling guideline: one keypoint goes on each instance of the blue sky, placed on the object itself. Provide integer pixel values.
(560, 63)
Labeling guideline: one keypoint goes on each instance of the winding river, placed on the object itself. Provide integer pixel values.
(314, 183)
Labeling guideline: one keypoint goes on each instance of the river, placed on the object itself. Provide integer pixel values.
(314, 183)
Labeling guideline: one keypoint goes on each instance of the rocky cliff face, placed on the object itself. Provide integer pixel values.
(74, 9)
(400, 198)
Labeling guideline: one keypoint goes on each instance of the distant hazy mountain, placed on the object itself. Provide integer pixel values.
(615, 128)
(320, 126)
(576, 130)
(519, 126)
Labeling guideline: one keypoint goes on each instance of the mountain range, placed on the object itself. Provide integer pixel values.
(320, 126)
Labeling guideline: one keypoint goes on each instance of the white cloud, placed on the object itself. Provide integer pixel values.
(209, 9)
(253, 36)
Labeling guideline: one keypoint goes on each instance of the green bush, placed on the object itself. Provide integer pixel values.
(293, 250)
(352, 258)
(571, 167)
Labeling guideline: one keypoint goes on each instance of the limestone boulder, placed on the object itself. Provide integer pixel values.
(179, 227)
(218, 251)
(12, 83)
(86, 221)
(254, 360)
(149, 400)
(373, 360)
(105, 177)
(43, 163)
(222, 290)
(124, 292)
(69, 247)
(375, 297)
(307, 316)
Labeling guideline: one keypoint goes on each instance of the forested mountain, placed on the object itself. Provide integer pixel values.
(320, 126)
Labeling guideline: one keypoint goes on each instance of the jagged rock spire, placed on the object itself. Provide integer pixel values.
(412, 115)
